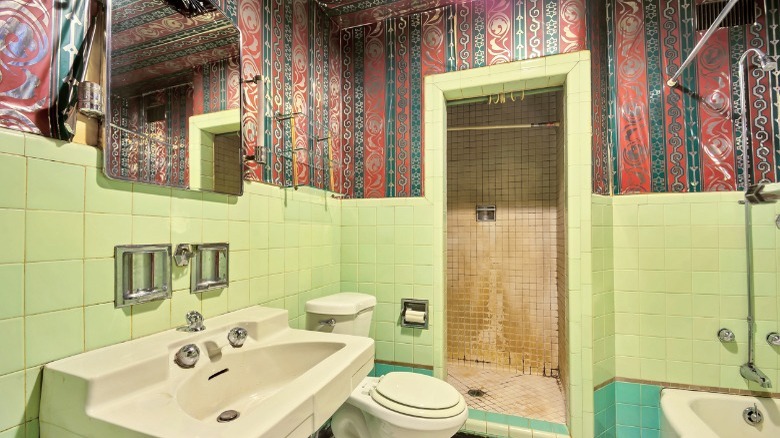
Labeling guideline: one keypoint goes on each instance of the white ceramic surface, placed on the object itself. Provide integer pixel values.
(694, 414)
(284, 382)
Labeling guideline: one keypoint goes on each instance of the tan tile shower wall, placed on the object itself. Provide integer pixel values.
(502, 276)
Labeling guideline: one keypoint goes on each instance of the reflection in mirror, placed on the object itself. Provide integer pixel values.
(170, 62)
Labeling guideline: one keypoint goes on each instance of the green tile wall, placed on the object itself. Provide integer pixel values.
(61, 219)
(679, 275)
(387, 251)
(603, 291)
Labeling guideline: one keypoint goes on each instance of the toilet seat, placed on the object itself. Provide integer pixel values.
(418, 395)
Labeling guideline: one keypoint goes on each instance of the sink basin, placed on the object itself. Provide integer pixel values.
(281, 383)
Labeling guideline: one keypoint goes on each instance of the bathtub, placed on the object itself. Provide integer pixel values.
(693, 414)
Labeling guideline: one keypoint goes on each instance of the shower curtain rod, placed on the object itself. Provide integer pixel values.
(519, 126)
(672, 82)
(519, 93)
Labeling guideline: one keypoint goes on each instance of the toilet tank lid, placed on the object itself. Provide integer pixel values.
(345, 303)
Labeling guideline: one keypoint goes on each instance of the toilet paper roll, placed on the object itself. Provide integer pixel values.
(414, 316)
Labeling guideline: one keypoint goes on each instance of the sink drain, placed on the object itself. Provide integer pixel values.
(227, 416)
(476, 392)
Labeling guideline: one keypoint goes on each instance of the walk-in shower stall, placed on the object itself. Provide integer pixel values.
(506, 261)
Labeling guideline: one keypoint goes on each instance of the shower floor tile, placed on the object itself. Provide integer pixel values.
(507, 392)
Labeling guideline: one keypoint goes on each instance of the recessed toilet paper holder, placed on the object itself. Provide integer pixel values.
(414, 313)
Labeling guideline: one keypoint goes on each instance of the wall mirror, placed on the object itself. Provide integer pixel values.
(170, 62)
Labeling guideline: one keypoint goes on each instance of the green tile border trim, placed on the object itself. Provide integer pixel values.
(404, 364)
(674, 385)
(514, 421)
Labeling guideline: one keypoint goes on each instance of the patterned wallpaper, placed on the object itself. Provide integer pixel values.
(348, 13)
(39, 45)
(384, 63)
(163, 160)
(683, 139)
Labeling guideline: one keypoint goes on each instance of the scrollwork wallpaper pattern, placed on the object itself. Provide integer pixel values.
(649, 137)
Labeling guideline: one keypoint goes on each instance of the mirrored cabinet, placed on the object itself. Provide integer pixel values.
(170, 63)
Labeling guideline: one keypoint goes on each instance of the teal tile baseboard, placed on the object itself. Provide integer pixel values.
(493, 424)
(627, 410)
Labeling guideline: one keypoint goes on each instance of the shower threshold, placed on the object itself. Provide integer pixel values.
(507, 392)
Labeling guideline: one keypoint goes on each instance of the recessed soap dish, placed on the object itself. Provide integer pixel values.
(142, 274)
(209, 267)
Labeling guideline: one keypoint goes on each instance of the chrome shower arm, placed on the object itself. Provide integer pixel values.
(672, 82)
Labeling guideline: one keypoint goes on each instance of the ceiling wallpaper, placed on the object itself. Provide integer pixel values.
(149, 39)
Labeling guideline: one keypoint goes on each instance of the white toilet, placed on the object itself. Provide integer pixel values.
(396, 405)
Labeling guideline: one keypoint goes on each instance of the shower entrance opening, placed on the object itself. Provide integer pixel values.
(506, 256)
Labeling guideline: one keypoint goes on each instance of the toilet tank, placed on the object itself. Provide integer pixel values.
(350, 313)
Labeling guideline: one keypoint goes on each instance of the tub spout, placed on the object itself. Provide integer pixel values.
(752, 373)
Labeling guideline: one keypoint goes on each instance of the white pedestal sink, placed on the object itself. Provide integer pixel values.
(282, 382)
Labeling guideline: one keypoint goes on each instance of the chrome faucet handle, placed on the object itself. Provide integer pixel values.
(773, 339)
(725, 335)
(237, 336)
(187, 356)
(194, 322)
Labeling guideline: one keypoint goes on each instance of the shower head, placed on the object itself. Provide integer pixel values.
(766, 64)
(763, 193)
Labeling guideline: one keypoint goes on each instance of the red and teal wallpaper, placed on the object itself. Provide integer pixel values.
(38, 45)
(383, 65)
(653, 138)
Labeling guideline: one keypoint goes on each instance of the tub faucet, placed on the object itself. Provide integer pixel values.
(752, 373)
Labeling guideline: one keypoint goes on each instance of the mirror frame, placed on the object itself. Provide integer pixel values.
(106, 129)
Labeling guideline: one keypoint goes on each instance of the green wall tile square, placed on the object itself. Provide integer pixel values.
(66, 195)
(404, 353)
(151, 200)
(215, 206)
(12, 222)
(238, 295)
(151, 230)
(103, 195)
(150, 318)
(54, 150)
(33, 378)
(46, 240)
(384, 350)
(238, 231)
(12, 345)
(214, 303)
(239, 208)
(104, 325)
(627, 393)
(628, 431)
(98, 281)
(187, 230)
(12, 291)
(423, 355)
(51, 286)
(404, 215)
(12, 141)
(12, 403)
(186, 204)
(105, 231)
(628, 415)
(54, 335)
(13, 180)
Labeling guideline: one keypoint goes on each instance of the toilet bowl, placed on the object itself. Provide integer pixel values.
(396, 405)
(401, 405)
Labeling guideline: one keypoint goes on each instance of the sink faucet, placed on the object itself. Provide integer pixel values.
(750, 372)
(194, 322)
